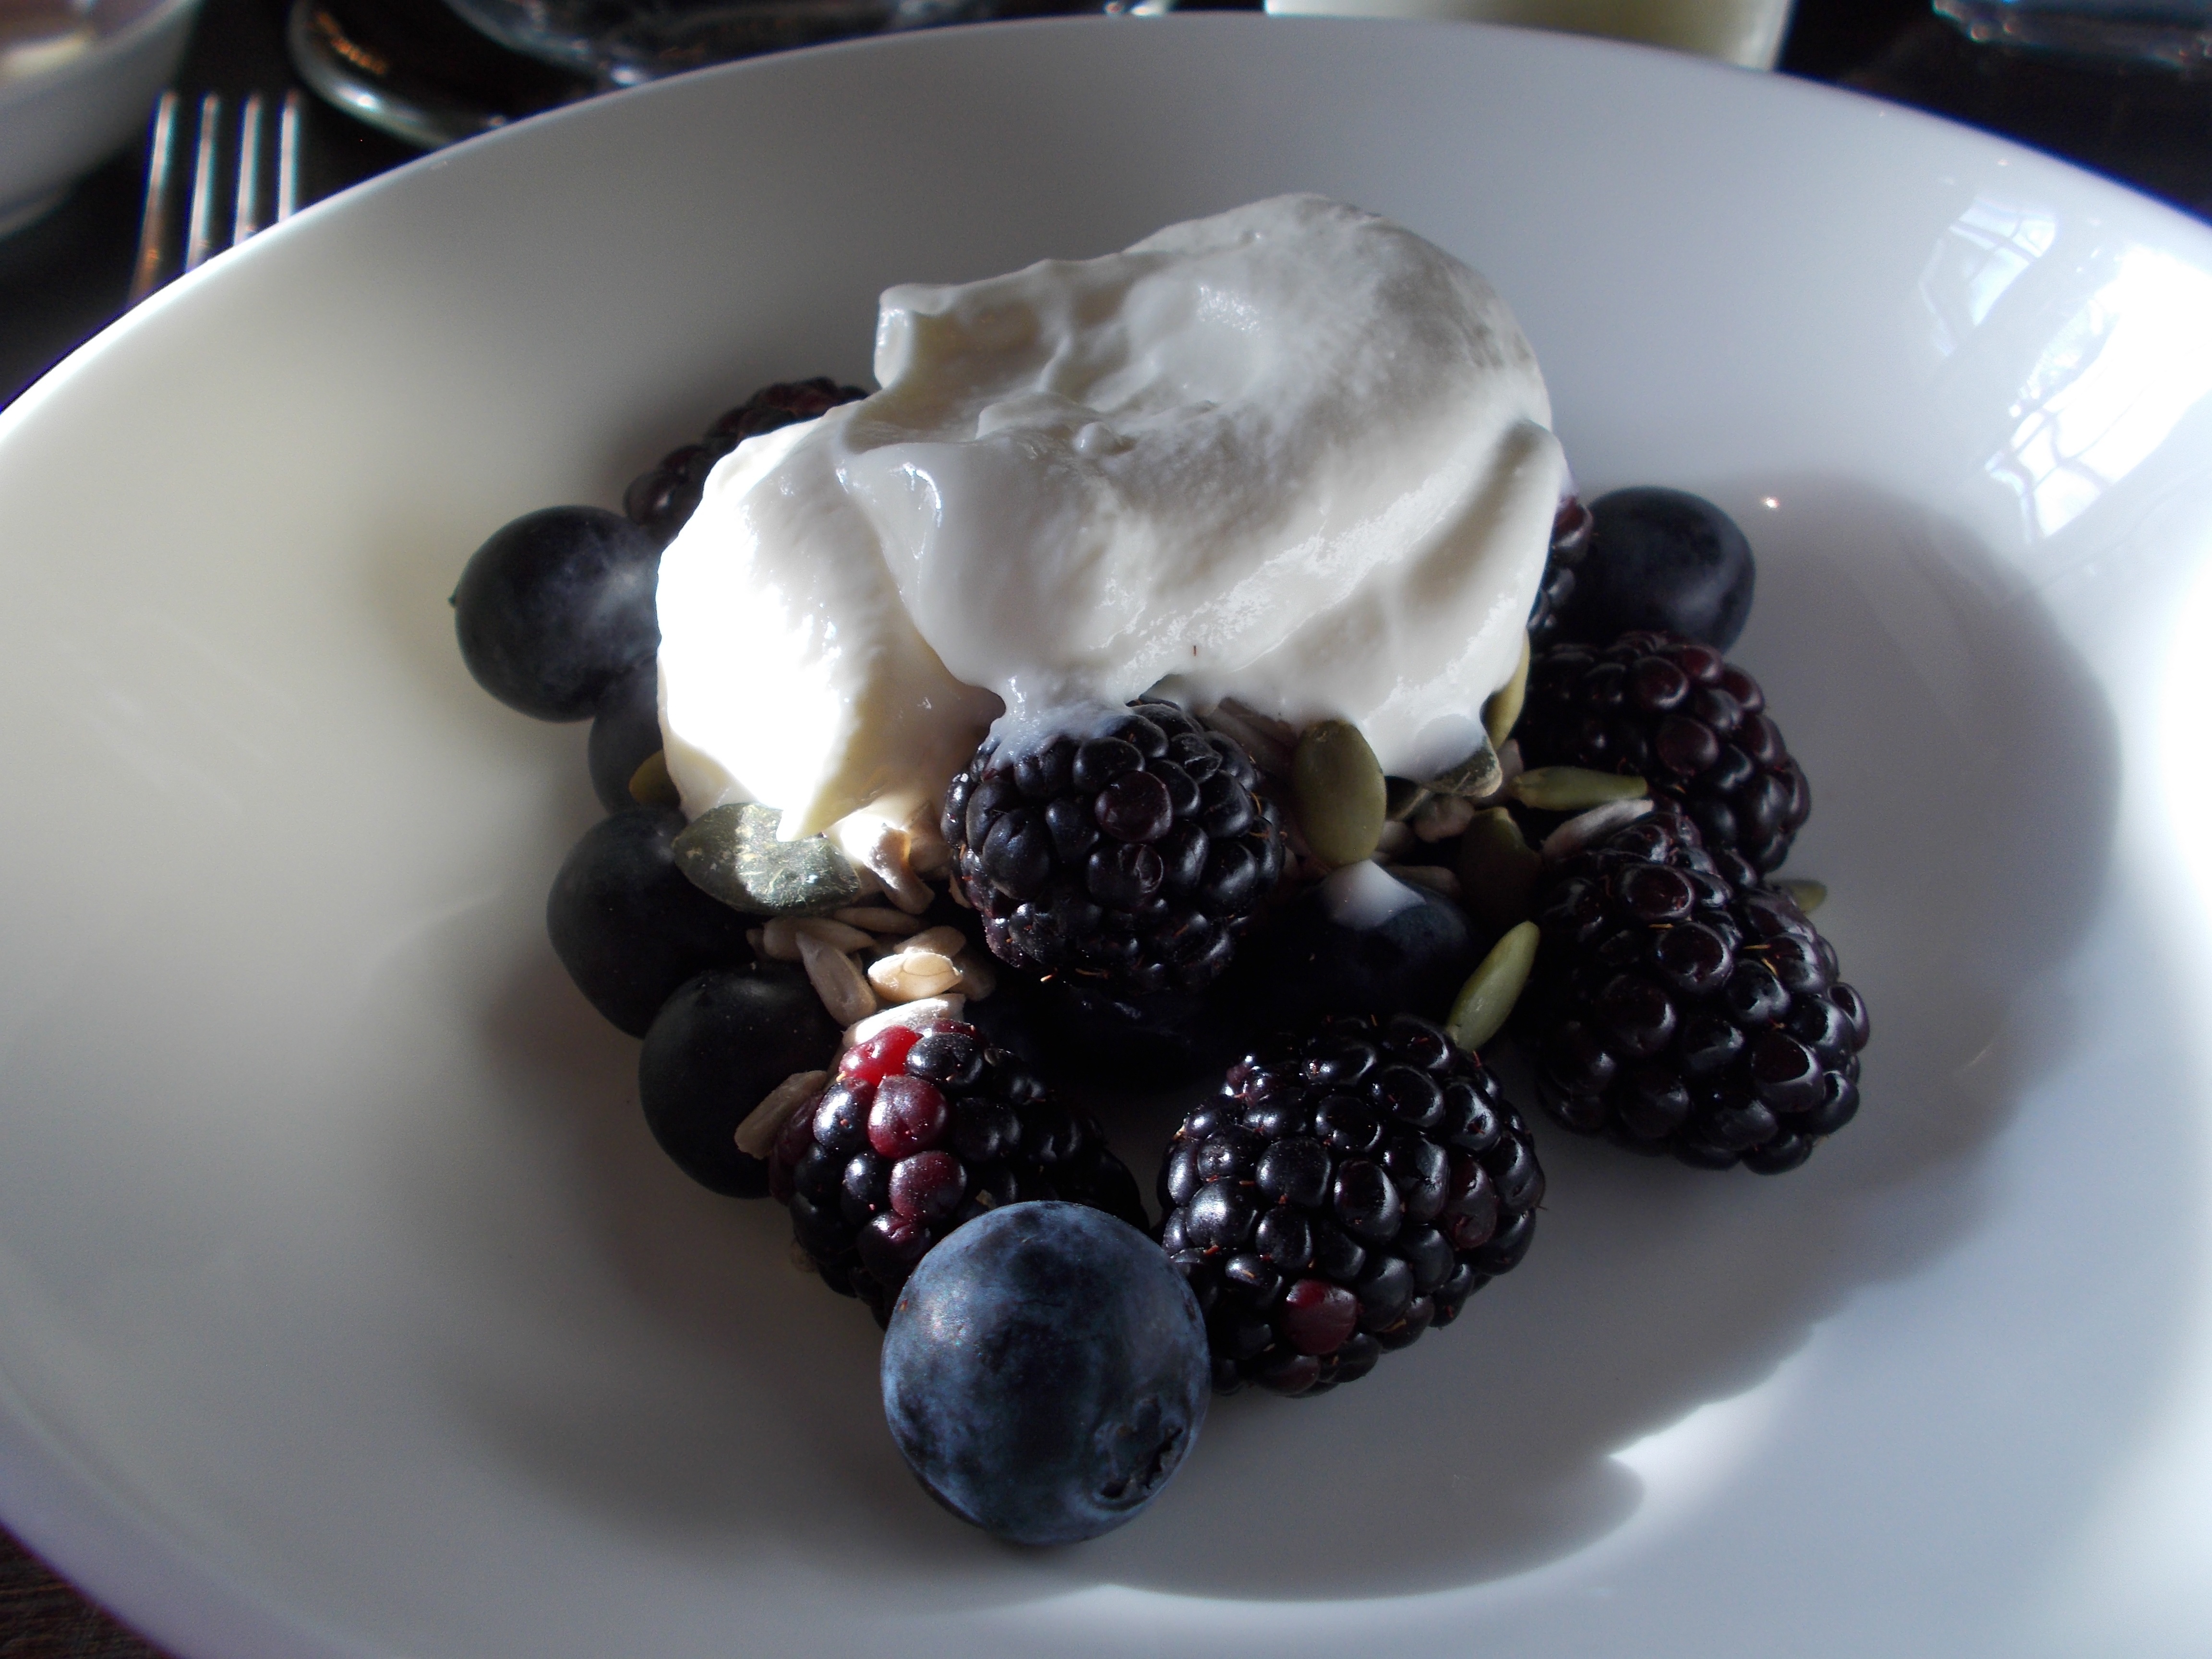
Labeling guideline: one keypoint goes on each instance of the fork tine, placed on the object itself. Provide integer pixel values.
(288, 157)
(199, 233)
(154, 219)
(246, 200)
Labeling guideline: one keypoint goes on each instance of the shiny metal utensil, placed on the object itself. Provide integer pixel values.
(211, 191)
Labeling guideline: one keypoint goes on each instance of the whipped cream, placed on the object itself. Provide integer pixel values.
(1291, 455)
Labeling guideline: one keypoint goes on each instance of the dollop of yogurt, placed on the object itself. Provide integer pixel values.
(1291, 455)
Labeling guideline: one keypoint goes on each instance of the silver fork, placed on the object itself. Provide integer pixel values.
(203, 211)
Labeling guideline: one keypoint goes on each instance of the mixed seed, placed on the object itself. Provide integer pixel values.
(849, 923)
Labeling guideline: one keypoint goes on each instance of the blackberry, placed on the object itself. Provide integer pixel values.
(1674, 713)
(660, 500)
(1345, 1191)
(918, 1131)
(1133, 857)
(1679, 1005)
(1555, 589)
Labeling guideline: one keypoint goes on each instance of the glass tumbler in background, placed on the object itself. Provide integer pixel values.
(2174, 32)
(1745, 32)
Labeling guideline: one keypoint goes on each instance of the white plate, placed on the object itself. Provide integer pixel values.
(345, 1307)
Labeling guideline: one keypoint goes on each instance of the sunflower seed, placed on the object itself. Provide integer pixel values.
(834, 933)
(1443, 817)
(946, 941)
(756, 1135)
(1484, 1002)
(927, 855)
(889, 856)
(919, 1012)
(780, 941)
(911, 974)
(1571, 788)
(875, 918)
(1589, 827)
(837, 979)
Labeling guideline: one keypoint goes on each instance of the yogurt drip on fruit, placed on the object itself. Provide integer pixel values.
(1291, 455)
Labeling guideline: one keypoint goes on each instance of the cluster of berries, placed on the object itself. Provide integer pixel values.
(1357, 1173)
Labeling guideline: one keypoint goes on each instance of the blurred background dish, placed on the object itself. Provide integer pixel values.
(2163, 34)
(622, 42)
(76, 83)
(1745, 32)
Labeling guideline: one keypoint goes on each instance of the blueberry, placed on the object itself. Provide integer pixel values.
(720, 1044)
(1045, 1372)
(1661, 559)
(1301, 964)
(557, 607)
(625, 734)
(628, 924)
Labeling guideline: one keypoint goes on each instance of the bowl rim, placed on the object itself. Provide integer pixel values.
(143, 1593)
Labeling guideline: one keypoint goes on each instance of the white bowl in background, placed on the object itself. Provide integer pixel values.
(346, 1306)
(57, 124)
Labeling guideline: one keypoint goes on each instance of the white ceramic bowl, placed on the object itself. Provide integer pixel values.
(58, 125)
(346, 1307)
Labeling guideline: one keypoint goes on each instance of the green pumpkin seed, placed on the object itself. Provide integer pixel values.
(733, 852)
(1809, 895)
(1336, 784)
(1503, 707)
(1572, 788)
(650, 785)
(1497, 869)
(1478, 775)
(1486, 999)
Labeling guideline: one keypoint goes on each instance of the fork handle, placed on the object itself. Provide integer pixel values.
(154, 218)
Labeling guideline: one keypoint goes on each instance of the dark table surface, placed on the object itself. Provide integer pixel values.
(64, 278)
